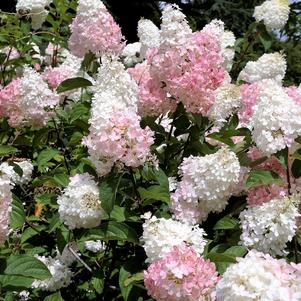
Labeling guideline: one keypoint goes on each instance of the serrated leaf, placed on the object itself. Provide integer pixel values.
(262, 177)
(106, 195)
(73, 83)
(226, 223)
(27, 266)
(17, 216)
(45, 156)
(61, 179)
(54, 297)
(7, 150)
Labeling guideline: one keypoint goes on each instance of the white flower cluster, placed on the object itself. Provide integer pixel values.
(269, 226)
(115, 90)
(227, 102)
(206, 185)
(174, 29)
(228, 52)
(5, 205)
(79, 205)
(131, 54)
(276, 119)
(273, 13)
(149, 35)
(36, 9)
(160, 235)
(95, 245)
(60, 275)
(256, 277)
(15, 178)
(268, 66)
(36, 99)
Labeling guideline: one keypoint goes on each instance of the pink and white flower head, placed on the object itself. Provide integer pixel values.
(153, 100)
(120, 140)
(182, 275)
(206, 185)
(95, 30)
(259, 276)
(27, 101)
(187, 65)
(5, 205)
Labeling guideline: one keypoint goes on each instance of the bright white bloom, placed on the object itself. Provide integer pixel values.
(269, 226)
(173, 183)
(216, 29)
(206, 185)
(61, 275)
(149, 35)
(95, 245)
(5, 205)
(24, 295)
(131, 54)
(160, 235)
(255, 277)
(227, 102)
(276, 119)
(273, 13)
(15, 178)
(36, 9)
(228, 52)
(79, 205)
(268, 66)
(174, 27)
(115, 90)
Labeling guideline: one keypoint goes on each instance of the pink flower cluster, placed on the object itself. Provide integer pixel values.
(95, 30)
(181, 276)
(153, 100)
(120, 140)
(294, 93)
(55, 75)
(191, 72)
(27, 101)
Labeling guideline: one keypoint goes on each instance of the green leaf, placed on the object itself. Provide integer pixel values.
(7, 150)
(154, 193)
(27, 266)
(17, 216)
(15, 281)
(61, 179)
(135, 278)
(73, 83)
(226, 223)
(45, 156)
(262, 177)
(54, 297)
(106, 196)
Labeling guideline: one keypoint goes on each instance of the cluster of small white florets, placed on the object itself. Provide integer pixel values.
(15, 178)
(228, 51)
(36, 99)
(276, 119)
(95, 245)
(79, 205)
(5, 205)
(268, 66)
(132, 54)
(259, 277)
(36, 9)
(206, 185)
(149, 35)
(273, 13)
(60, 275)
(115, 90)
(160, 235)
(174, 30)
(227, 102)
(269, 226)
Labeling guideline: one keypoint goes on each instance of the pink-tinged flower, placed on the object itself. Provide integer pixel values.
(249, 94)
(190, 72)
(54, 76)
(153, 100)
(119, 140)
(95, 30)
(294, 93)
(27, 101)
(182, 275)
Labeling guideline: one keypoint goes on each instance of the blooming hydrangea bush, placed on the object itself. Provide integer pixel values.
(165, 169)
